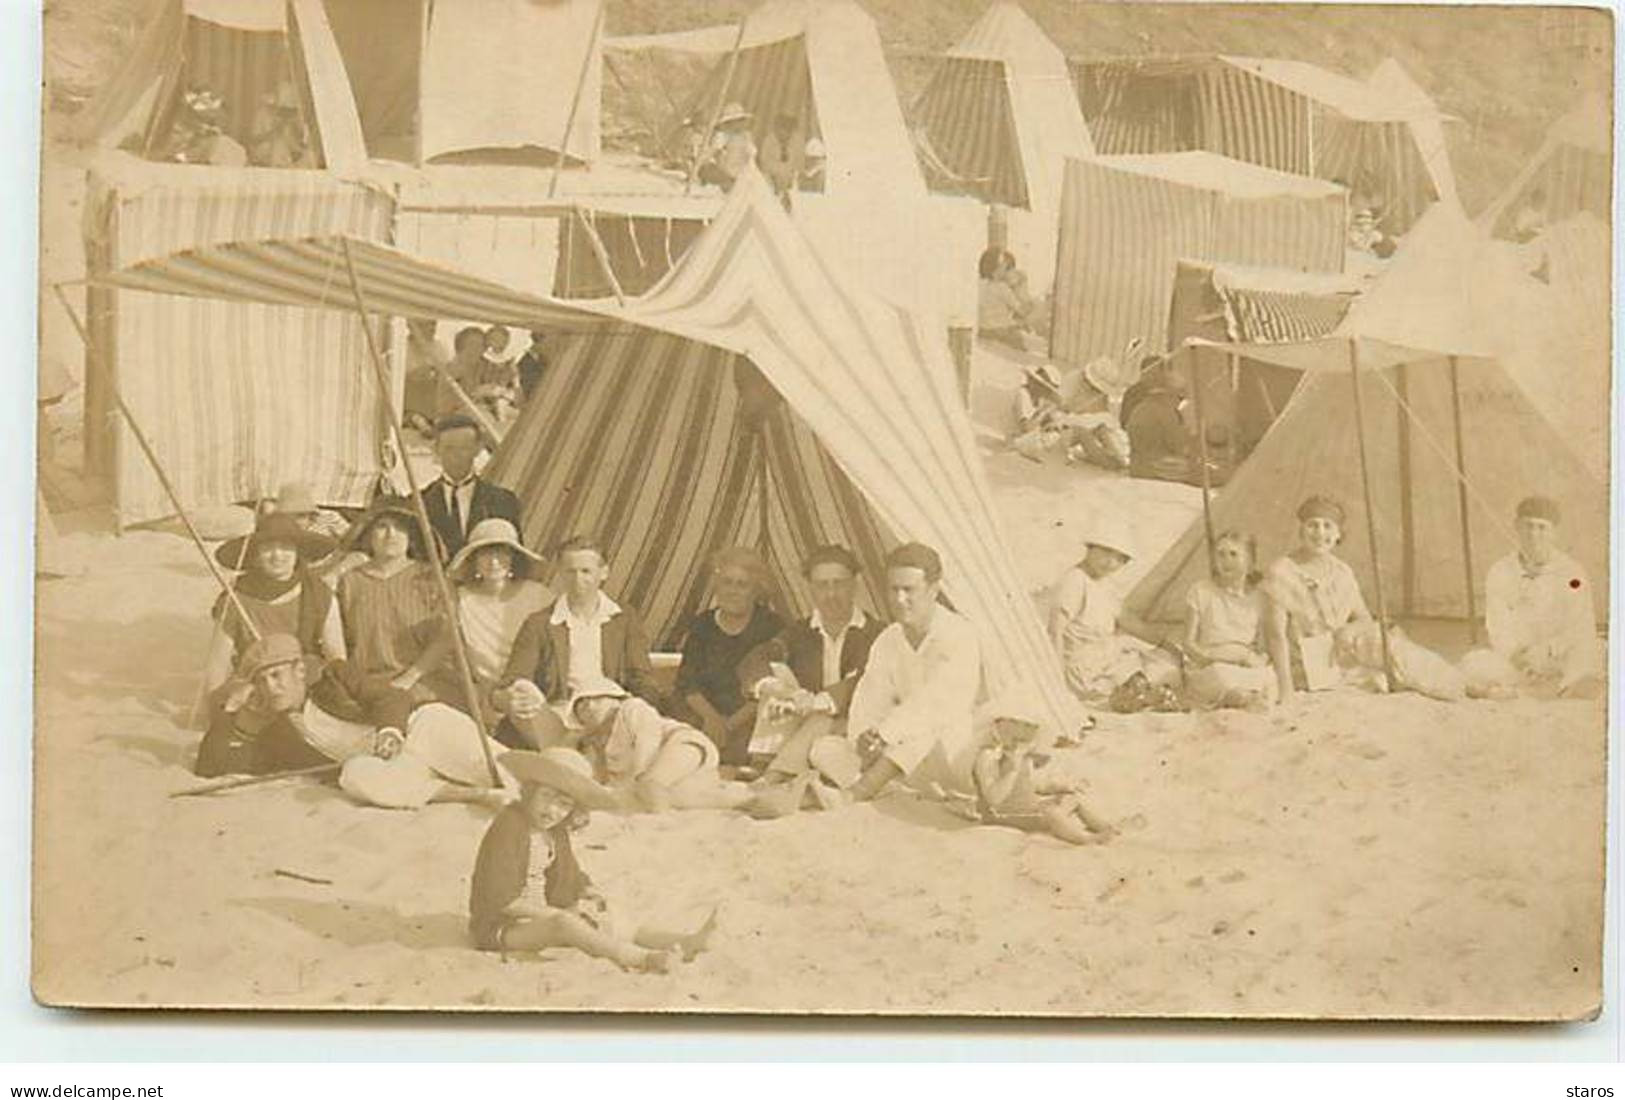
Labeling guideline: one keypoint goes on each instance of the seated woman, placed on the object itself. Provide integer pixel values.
(389, 605)
(277, 592)
(1095, 636)
(708, 694)
(651, 762)
(494, 598)
(1004, 309)
(1159, 440)
(1313, 594)
(1225, 661)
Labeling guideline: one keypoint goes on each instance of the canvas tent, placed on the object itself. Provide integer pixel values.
(474, 81)
(1382, 136)
(999, 120)
(1126, 221)
(865, 378)
(239, 49)
(1571, 173)
(1453, 440)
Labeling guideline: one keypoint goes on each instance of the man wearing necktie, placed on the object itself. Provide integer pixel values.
(460, 498)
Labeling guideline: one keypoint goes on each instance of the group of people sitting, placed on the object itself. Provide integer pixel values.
(790, 158)
(277, 136)
(478, 371)
(1251, 639)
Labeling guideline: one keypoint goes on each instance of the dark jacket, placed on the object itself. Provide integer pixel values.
(255, 742)
(500, 870)
(801, 647)
(489, 501)
(541, 654)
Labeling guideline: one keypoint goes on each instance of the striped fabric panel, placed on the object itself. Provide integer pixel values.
(1130, 110)
(767, 80)
(966, 114)
(636, 439)
(1270, 317)
(641, 251)
(1298, 234)
(1254, 120)
(1380, 158)
(238, 398)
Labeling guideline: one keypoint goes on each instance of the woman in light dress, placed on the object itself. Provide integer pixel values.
(1225, 661)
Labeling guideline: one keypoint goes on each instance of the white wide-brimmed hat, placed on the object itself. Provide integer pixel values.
(1112, 533)
(562, 770)
(1110, 376)
(488, 532)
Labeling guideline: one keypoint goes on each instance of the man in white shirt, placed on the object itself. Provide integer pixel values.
(912, 713)
(1539, 615)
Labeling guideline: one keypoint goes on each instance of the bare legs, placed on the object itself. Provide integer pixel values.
(650, 951)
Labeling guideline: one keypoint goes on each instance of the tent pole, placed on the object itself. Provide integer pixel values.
(1407, 506)
(1370, 513)
(601, 252)
(459, 646)
(722, 101)
(1201, 449)
(575, 101)
(163, 478)
(1461, 498)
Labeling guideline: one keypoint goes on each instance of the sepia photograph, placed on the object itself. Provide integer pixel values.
(949, 508)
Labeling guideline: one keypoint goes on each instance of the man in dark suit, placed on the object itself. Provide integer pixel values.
(827, 652)
(459, 498)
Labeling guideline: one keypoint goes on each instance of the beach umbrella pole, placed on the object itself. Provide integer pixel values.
(465, 671)
(1370, 512)
(722, 101)
(233, 782)
(163, 477)
(1461, 498)
(575, 101)
(1201, 450)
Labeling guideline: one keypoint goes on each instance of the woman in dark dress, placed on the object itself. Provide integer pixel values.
(708, 692)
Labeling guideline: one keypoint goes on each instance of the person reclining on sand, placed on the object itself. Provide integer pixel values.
(1013, 789)
(529, 893)
(583, 637)
(649, 761)
(912, 711)
(824, 654)
(1539, 617)
(392, 753)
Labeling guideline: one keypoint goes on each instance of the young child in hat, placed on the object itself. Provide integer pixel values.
(1100, 643)
(1013, 789)
(529, 893)
(651, 762)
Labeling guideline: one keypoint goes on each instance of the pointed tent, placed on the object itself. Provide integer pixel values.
(1572, 172)
(861, 379)
(1408, 100)
(1428, 341)
(475, 81)
(1001, 117)
(240, 49)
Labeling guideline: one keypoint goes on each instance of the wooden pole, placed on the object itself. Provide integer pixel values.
(722, 101)
(597, 244)
(163, 478)
(1461, 498)
(1201, 450)
(459, 645)
(575, 100)
(1370, 512)
(1407, 506)
(470, 406)
(233, 782)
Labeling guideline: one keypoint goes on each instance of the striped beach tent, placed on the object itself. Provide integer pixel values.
(1382, 137)
(1571, 173)
(1454, 438)
(864, 435)
(241, 50)
(474, 81)
(1126, 221)
(236, 398)
(1000, 119)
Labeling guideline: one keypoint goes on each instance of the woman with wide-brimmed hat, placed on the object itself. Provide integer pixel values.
(495, 595)
(389, 604)
(277, 592)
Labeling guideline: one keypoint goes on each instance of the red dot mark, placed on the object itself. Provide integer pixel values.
(1574, 582)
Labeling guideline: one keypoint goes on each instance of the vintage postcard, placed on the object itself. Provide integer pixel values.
(962, 507)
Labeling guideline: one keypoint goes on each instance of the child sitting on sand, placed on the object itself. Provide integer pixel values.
(530, 894)
(1095, 636)
(650, 762)
(1010, 792)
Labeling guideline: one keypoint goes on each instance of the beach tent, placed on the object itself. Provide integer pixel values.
(475, 81)
(1126, 221)
(1381, 137)
(239, 49)
(1453, 440)
(1232, 303)
(1571, 173)
(237, 398)
(866, 379)
(998, 120)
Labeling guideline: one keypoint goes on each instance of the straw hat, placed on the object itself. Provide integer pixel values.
(733, 112)
(1110, 376)
(268, 652)
(1111, 533)
(400, 507)
(1044, 374)
(597, 687)
(562, 770)
(488, 532)
(237, 553)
